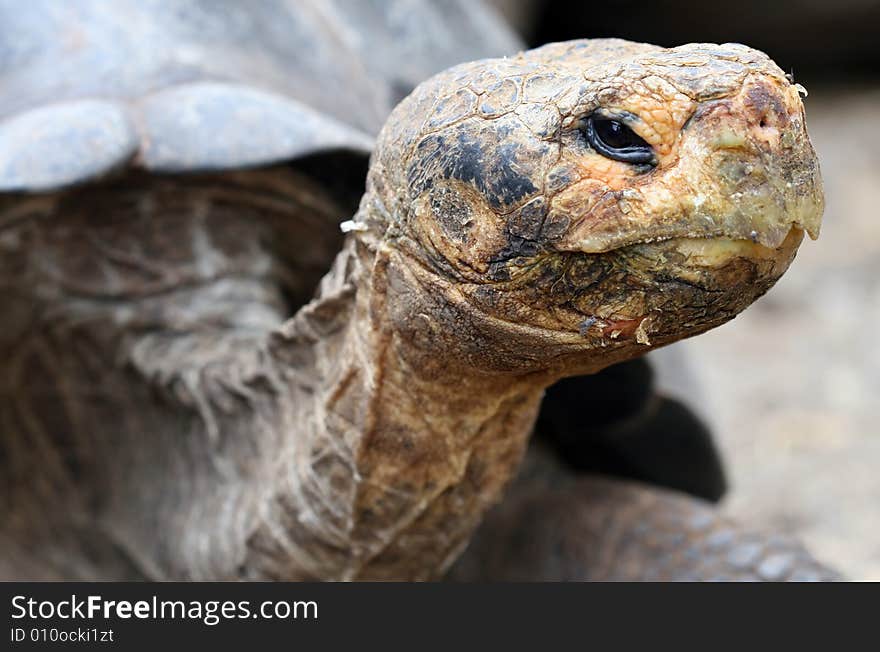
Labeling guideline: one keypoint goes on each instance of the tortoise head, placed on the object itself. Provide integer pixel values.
(598, 195)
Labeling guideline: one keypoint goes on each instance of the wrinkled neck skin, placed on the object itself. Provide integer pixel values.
(405, 433)
(395, 457)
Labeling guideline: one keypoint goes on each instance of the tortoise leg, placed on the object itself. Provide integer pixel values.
(622, 427)
(558, 526)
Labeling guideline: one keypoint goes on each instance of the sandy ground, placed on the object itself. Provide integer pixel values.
(792, 386)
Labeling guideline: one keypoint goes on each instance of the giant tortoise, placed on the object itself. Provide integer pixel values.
(203, 380)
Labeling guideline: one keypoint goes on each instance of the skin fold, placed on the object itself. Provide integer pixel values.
(494, 252)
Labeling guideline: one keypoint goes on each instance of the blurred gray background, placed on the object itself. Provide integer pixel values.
(791, 386)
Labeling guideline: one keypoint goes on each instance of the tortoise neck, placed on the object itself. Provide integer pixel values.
(394, 465)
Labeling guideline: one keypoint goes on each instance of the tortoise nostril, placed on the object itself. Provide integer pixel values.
(766, 128)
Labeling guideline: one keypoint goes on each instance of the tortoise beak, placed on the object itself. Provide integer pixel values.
(767, 178)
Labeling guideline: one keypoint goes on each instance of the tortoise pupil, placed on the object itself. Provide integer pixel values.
(615, 134)
(614, 140)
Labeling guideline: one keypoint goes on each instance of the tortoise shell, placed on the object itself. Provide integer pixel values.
(89, 87)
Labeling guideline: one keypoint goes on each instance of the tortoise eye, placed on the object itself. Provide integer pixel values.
(613, 139)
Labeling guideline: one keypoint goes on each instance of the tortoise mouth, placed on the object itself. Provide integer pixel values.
(716, 265)
(672, 288)
(714, 251)
(770, 229)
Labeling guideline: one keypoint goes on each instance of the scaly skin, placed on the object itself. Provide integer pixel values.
(561, 527)
(494, 252)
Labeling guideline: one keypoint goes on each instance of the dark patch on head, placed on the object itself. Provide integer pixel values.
(490, 170)
(484, 157)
